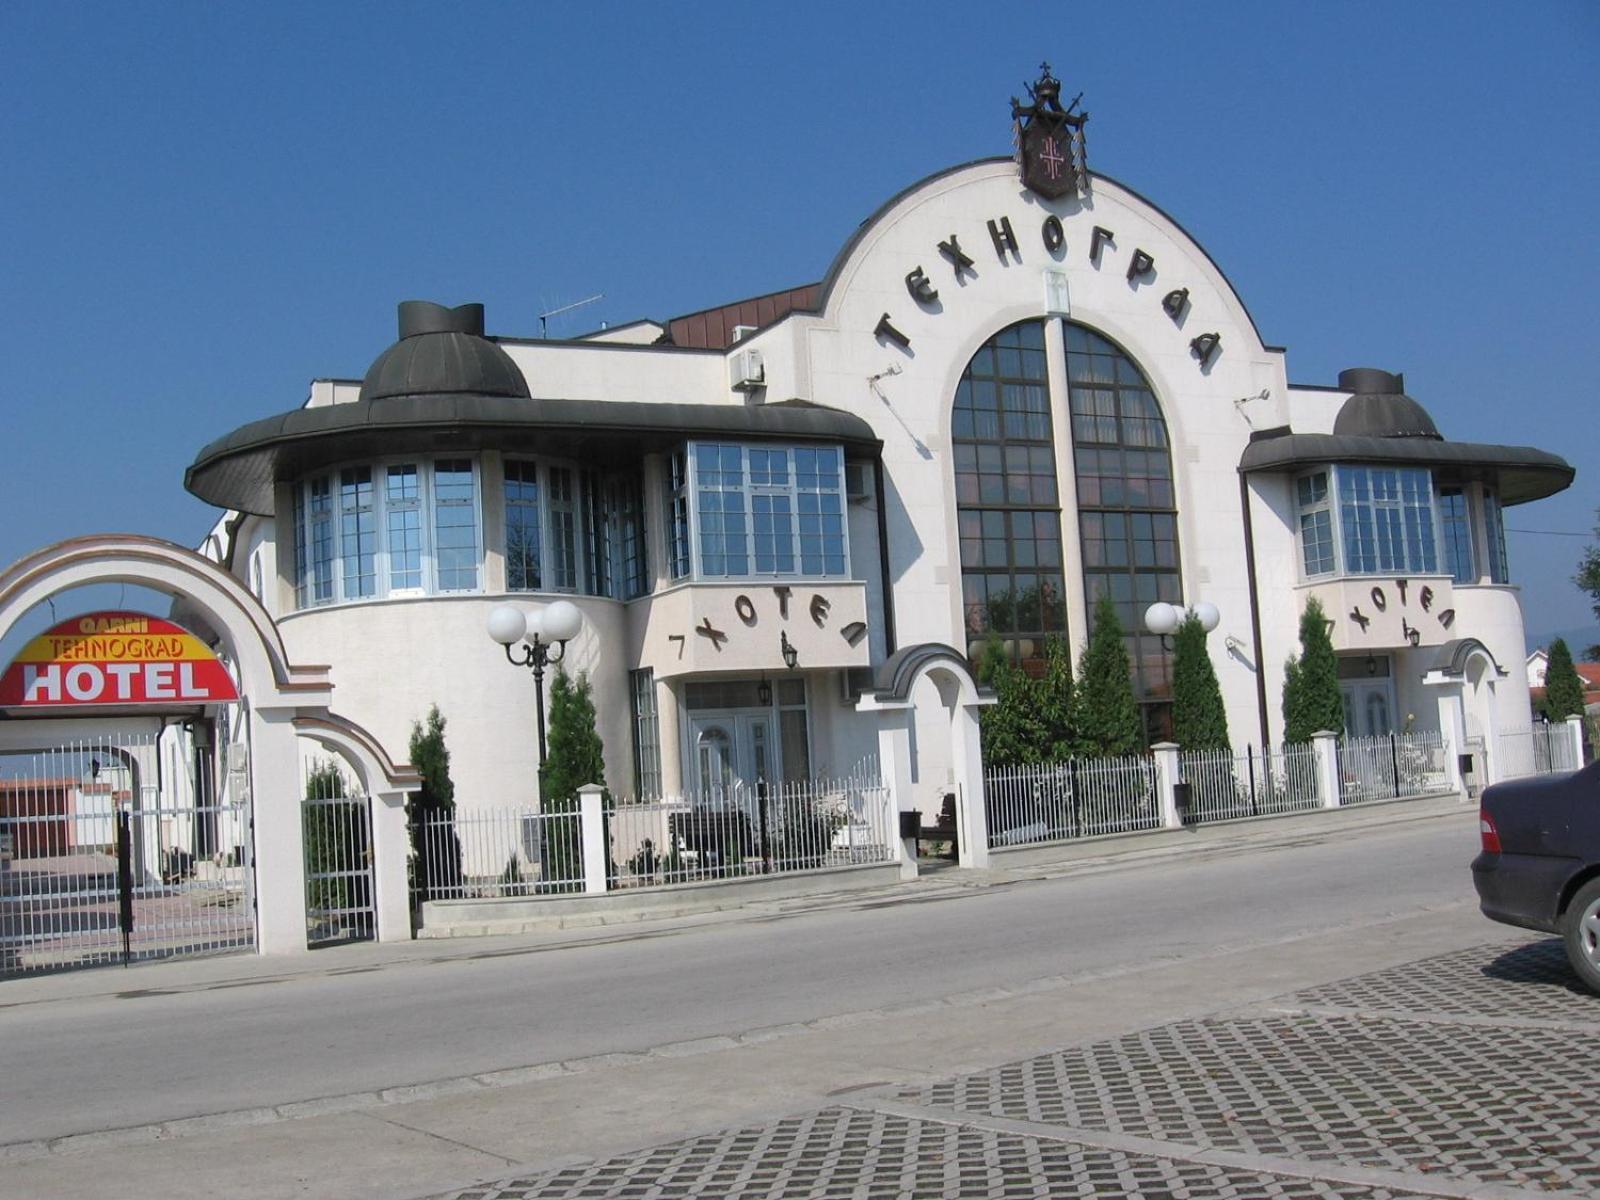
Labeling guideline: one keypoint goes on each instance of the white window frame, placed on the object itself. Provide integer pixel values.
(1341, 564)
(692, 486)
(305, 563)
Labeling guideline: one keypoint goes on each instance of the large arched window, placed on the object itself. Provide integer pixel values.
(1127, 512)
(1008, 509)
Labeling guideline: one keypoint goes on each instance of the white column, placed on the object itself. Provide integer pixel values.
(894, 762)
(391, 850)
(276, 795)
(1325, 746)
(1168, 772)
(972, 818)
(1055, 345)
(1453, 727)
(1575, 732)
(592, 821)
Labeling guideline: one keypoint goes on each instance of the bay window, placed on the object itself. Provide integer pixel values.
(571, 530)
(741, 510)
(367, 531)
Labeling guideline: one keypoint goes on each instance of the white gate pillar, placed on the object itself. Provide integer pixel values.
(592, 835)
(280, 853)
(391, 853)
(972, 814)
(894, 763)
(1575, 735)
(1325, 748)
(1453, 729)
(1169, 770)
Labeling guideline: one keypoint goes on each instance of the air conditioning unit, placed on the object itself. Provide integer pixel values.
(740, 332)
(747, 371)
(858, 480)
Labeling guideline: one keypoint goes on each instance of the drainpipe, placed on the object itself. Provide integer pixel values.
(1255, 604)
(883, 557)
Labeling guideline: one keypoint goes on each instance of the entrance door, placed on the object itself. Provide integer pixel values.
(1368, 707)
(733, 754)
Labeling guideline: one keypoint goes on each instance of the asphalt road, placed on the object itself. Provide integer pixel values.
(146, 1055)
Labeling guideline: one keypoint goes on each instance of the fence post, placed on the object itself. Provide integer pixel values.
(1575, 733)
(1325, 745)
(391, 844)
(592, 833)
(1167, 770)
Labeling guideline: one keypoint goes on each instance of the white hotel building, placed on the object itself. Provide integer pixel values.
(993, 408)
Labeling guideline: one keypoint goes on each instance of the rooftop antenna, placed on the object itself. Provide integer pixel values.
(556, 312)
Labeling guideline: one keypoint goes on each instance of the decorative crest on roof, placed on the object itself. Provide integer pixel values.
(1049, 140)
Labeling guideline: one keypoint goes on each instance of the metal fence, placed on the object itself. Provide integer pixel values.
(1227, 786)
(1080, 797)
(336, 820)
(805, 825)
(1541, 749)
(1391, 766)
(115, 848)
(729, 833)
(493, 853)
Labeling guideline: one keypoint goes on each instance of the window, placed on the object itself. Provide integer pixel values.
(574, 531)
(646, 735)
(1008, 506)
(1316, 524)
(1127, 510)
(1494, 529)
(1386, 517)
(360, 532)
(1457, 528)
(524, 535)
(678, 553)
(758, 510)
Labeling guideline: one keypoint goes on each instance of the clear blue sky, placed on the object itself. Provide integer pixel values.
(205, 206)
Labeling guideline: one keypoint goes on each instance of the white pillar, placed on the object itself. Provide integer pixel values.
(894, 762)
(391, 852)
(1168, 773)
(276, 795)
(972, 818)
(1575, 733)
(592, 822)
(1453, 728)
(1325, 747)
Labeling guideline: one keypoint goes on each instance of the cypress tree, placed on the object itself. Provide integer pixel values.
(1107, 716)
(1199, 721)
(1563, 686)
(1318, 704)
(1010, 726)
(576, 754)
(434, 843)
(1056, 711)
(1293, 699)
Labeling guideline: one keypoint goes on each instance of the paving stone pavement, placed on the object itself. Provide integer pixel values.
(1468, 1074)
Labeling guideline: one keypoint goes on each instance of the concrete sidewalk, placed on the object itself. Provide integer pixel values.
(937, 880)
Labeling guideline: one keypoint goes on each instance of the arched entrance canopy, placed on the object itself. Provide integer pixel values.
(229, 611)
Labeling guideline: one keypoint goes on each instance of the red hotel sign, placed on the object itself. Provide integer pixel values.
(115, 658)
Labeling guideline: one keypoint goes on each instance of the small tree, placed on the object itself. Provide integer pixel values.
(1010, 726)
(1106, 716)
(1199, 721)
(432, 818)
(1313, 702)
(1054, 697)
(575, 757)
(1563, 686)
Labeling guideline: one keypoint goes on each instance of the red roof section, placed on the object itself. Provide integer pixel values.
(712, 328)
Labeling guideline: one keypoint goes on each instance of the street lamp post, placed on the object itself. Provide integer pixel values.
(545, 636)
(1163, 619)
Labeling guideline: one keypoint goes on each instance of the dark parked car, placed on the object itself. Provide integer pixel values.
(1540, 866)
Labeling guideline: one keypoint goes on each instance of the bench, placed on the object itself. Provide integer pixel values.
(942, 830)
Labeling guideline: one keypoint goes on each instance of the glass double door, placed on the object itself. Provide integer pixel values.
(1368, 707)
(734, 755)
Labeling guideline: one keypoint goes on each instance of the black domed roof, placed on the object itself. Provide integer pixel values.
(1379, 407)
(442, 351)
